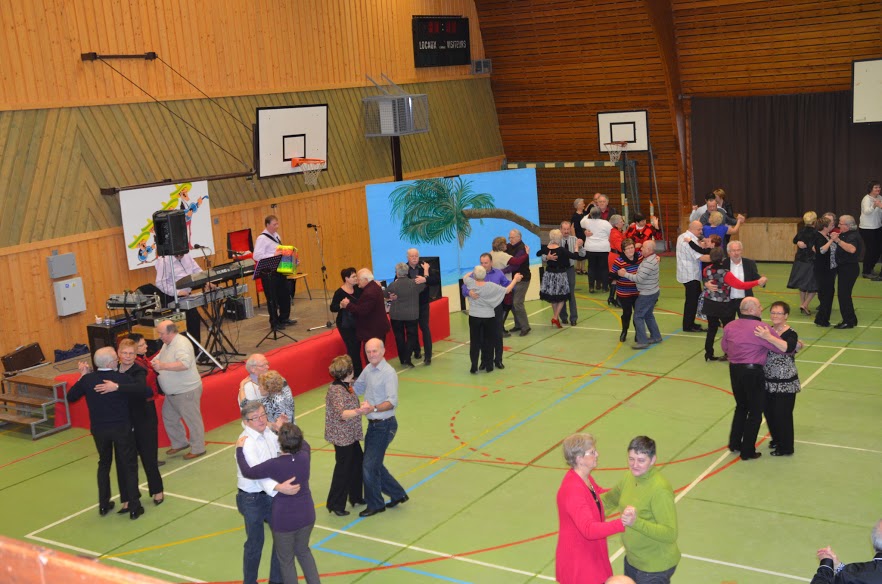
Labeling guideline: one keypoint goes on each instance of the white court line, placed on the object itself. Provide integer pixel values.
(683, 493)
(839, 446)
(822, 367)
(121, 561)
(436, 553)
(839, 364)
(749, 568)
(315, 409)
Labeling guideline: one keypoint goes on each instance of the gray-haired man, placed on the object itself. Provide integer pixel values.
(570, 243)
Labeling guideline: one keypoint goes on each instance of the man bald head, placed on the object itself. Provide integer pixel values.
(751, 306)
(696, 227)
(619, 579)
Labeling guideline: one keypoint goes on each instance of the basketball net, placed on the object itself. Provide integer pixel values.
(615, 150)
(310, 167)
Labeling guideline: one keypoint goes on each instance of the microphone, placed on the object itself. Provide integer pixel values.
(198, 246)
(311, 226)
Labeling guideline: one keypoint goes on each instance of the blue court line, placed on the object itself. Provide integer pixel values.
(404, 568)
(509, 430)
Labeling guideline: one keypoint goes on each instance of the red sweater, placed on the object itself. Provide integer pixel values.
(582, 555)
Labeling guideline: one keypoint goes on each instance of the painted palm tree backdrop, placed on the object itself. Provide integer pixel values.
(454, 218)
(439, 210)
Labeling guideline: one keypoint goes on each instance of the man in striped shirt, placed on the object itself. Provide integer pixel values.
(647, 279)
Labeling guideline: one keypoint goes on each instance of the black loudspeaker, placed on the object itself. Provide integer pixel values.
(170, 229)
(434, 268)
(101, 335)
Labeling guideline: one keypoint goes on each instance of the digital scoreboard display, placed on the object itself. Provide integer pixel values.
(441, 41)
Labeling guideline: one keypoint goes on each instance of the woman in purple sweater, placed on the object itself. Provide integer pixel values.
(293, 516)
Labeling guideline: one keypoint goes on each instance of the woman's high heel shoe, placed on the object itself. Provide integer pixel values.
(338, 513)
(556, 322)
(708, 357)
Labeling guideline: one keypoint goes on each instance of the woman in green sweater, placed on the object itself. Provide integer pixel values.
(651, 552)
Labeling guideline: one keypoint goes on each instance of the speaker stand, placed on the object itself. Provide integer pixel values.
(276, 333)
(203, 351)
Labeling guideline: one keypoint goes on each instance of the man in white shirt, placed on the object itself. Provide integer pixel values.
(170, 269)
(689, 260)
(255, 498)
(276, 286)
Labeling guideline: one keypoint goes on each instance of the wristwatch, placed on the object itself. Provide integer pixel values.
(375, 409)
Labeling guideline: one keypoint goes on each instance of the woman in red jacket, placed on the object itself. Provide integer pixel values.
(582, 555)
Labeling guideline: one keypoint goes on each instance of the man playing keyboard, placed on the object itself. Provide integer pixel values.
(169, 270)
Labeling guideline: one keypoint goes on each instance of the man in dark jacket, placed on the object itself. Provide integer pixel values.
(422, 273)
(742, 268)
(831, 571)
(111, 428)
(369, 310)
(520, 257)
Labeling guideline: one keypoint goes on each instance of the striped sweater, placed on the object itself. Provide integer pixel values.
(647, 275)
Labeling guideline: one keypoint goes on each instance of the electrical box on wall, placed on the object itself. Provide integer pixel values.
(61, 266)
(69, 296)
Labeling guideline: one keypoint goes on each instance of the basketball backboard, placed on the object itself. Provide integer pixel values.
(629, 126)
(288, 132)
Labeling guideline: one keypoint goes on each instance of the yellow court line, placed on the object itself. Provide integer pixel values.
(171, 543)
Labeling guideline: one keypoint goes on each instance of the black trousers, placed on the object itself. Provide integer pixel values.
(717, 317)
(500, 314)
(406, 339)
(627, 303)
(425, 312)
(848, 275)
(481, 338)
(779, 416)
(346, 481)
(598, 268)
(118, 441)
(278, 290)
(690, 305)
(145, 428)
(826, 279)
(749, 389)
(872, 247)
(353, 349)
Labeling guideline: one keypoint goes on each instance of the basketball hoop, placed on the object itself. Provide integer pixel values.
(615, 150)
(311, 168)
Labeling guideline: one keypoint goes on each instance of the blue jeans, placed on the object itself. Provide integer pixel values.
(256, 509)
(641, 577)
(378, 480)
(644, 318)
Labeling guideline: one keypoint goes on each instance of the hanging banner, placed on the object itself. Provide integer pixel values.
(139, 205)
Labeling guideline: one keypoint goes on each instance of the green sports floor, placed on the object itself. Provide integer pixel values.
(480, 457)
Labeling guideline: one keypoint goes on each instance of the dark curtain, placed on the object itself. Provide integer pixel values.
(780, 156)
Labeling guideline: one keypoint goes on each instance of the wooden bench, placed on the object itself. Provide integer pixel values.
(27, 400)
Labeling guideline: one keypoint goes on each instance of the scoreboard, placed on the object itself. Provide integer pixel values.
(441, 41)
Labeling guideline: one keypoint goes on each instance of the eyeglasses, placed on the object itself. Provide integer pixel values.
(592, 452)
(260, 417)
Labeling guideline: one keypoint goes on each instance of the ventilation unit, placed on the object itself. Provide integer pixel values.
(395, 114)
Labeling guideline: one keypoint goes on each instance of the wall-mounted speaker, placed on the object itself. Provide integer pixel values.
(170, 232)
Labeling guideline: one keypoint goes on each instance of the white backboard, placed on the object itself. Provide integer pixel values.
(867, 91)
(286, 132)
(630, 126)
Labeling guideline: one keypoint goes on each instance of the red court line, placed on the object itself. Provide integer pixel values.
(43, 451)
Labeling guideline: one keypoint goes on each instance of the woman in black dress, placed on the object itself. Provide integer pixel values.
(555, 287)
(782, 379)
(345, 319)
(802, 273)
(576, 220)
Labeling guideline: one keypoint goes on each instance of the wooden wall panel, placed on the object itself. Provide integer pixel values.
(28, 312)
(760, 47)
(55, 161)
(225, 47)
(557, 64)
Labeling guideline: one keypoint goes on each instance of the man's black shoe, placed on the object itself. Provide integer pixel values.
(289, 321)
(397, 502)
(753, 456)
(427, 360)
(418, 355)
(844, 325)
(524, 332)
(499, 365)
(369, 512)
(105, 509)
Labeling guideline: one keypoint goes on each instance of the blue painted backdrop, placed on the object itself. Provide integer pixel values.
(514, 190)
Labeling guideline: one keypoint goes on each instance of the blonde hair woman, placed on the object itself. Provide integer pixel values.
(276, 397)
(555, 288)
(802, 273)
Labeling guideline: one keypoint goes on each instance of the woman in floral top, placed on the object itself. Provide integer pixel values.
(343, 430)
(276, 397)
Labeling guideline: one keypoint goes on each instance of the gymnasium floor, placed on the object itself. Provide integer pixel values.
(480, 458)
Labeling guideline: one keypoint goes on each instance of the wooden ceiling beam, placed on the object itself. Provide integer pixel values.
(661, 18)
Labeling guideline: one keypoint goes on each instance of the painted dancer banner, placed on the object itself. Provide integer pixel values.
(139, 205)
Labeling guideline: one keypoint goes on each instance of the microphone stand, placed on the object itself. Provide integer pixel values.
(329, 324)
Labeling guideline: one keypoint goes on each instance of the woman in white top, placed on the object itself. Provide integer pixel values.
(597, 232)
(871, 227)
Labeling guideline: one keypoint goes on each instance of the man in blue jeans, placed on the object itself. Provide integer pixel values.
(255, 498)
(378, 383)
(647, 279)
